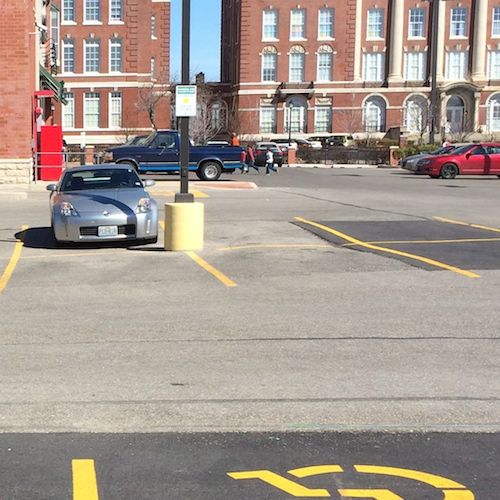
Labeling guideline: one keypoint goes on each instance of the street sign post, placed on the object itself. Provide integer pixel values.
(185, 100)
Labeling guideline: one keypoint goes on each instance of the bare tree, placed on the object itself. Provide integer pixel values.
(417, 120)
(151, 97)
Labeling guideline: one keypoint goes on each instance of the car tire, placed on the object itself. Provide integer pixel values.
(131, 163)
(150, 241)
(209, 171)
(449, 171)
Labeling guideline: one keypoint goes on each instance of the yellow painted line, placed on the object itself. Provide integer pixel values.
(84, 480)
(375, 494)
(280, 482)
(461, 223)
(9, 270)
(79, 254)
(458, 495)
(423, 477)
(245, 247)
(315, 470)
(392, 251)
(210, 269)
(423, 242)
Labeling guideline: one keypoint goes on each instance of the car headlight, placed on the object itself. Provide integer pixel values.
(68, 210)
(424, 162)
(143, 206)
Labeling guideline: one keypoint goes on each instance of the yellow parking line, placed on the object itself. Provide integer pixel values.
(423, 242)
(214, 272)
(245, 247)
(461, 223)
(84, 480)
(9, 270)
(419, 258)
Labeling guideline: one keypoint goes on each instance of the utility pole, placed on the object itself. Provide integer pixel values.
(184, 196)
(434, 54)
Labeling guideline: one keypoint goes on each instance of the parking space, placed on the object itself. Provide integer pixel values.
(431, 244)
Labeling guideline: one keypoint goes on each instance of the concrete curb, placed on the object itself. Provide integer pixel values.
(338, 165)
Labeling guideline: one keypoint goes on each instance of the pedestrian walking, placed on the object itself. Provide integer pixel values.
(270, 162)
(250, 160)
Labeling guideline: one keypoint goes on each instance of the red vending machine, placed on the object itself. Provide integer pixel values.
(50, 156)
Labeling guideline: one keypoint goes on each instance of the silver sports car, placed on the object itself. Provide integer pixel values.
(102, 203)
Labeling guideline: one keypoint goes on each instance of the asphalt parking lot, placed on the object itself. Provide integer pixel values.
(329, 301)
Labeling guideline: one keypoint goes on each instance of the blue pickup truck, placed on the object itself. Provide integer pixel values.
(160, 152)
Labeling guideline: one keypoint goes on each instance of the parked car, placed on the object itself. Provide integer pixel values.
(340, 141)
(261, 150)
(102, 203)
(160, 153)
(315, 142)
(285, 145)
(471, 159)
(410, 162)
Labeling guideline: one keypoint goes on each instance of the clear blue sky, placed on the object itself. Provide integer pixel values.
(205, 38)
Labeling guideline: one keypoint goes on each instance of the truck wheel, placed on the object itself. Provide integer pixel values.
(130, 164)
(210, 171)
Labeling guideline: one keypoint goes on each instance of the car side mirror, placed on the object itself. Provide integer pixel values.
(149, 183)
(51, 187)
(468, 155)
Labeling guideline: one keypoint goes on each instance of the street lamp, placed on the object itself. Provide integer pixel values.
(434, 55)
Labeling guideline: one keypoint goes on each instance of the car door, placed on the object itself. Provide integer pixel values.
(163, 153)
(475, 161)
(494, 153)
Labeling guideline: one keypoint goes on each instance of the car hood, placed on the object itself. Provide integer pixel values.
(100, 200)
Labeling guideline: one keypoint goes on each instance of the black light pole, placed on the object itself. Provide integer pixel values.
(434, 54)
(184, 196)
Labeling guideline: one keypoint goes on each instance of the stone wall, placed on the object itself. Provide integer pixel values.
(17, 171)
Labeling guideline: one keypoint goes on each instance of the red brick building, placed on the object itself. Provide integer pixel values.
(361, 66)
(113, 56)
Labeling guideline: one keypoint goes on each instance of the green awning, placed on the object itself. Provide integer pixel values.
(48, 82)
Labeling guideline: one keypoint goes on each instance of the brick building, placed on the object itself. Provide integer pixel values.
(361, 66)
(113, 56)
(29, 91)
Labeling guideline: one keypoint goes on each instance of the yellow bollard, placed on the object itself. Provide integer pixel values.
(184, 226)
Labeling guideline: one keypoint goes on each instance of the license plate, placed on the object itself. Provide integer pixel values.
(103, 231)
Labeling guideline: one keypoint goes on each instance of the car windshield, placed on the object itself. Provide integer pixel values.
(443, 150)
(463, 149)
(109, 178)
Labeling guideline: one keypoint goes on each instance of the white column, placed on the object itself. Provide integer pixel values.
(441, 36)
(357, 40)
(479, 41)
(396, 49)
(477, 100)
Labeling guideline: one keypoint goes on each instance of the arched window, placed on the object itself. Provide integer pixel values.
(296, 114)
(494, 113)
(374, 114)
(297, 63)
(269, 64)
(218, 115)
(455, 114)
(416, 114)
(325, 64)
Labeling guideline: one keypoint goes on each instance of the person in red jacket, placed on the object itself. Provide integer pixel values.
(250, 160)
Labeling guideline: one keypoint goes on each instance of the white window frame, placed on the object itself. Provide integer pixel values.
(324, 53)
(330, 13)
(495, 22)
(96, 97)
(55, 21)
(295, 57)
(113, 20)
(275, 25)
(269, 56)
(153, 27)
(302, 25)
(368, 59)
(115, 42)
(115, 97)
(271, 111)
(85, 13)
(371, 104)
(463, 62)
(86, 43)
(421, 105)
(493, 62)
(317, 114)
(153, 68)
(67, 43)
(494, 105)
(420, 23)
(68, 111)
(375, 17)
(66, 7)
(410, 58)
(458, 23)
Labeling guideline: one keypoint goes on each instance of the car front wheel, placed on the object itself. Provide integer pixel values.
(209, 171)
(449, 171)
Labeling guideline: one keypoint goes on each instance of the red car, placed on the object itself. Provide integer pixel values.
(472, 159)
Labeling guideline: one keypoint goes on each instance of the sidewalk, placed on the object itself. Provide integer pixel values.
(20, 191)
(329, 165)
